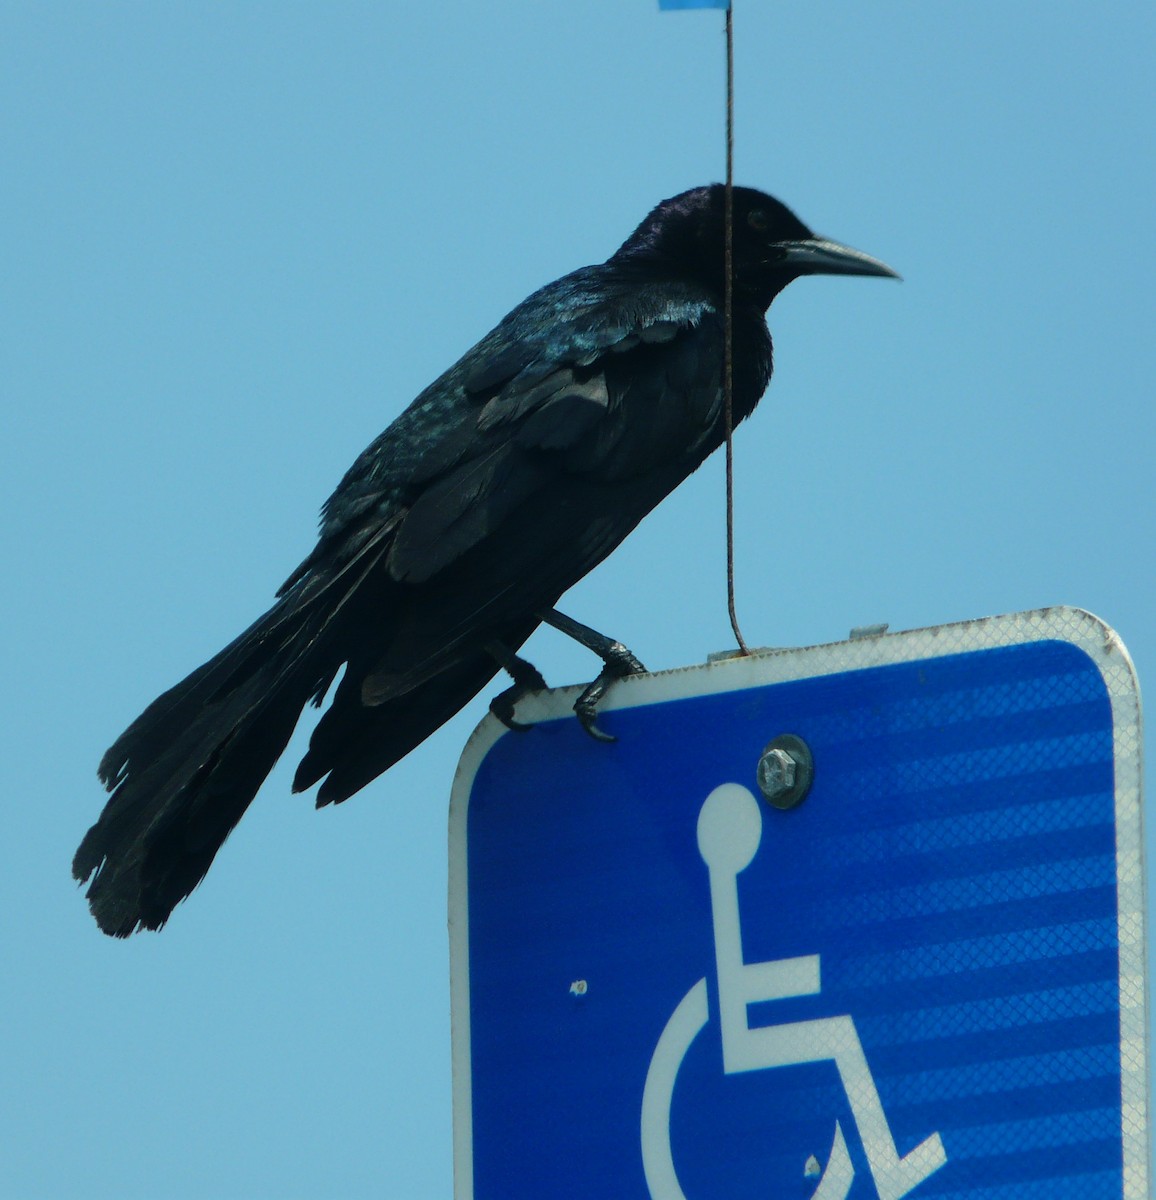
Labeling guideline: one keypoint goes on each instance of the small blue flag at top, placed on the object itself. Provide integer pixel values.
(664, 4)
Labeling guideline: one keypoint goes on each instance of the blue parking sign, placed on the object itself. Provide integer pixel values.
(925, 979)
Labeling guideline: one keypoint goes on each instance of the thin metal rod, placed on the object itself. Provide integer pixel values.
(728, 289)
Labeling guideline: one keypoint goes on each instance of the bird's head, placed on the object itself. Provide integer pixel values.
(687, 235)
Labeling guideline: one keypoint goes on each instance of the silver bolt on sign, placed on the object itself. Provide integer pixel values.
(785, 771)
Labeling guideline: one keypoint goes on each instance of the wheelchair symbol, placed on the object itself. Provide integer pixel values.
(729, 830)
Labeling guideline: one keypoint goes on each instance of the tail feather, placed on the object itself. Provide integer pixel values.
(354, 742)
(182, 777)
(166, 719)
(184, 772)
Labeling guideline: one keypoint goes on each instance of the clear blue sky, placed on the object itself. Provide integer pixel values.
(239, 238)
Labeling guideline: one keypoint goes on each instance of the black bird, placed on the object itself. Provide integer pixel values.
(453, 536)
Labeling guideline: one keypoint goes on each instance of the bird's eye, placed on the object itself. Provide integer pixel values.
(757, 220)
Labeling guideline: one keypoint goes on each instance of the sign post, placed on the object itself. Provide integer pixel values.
(922, 973)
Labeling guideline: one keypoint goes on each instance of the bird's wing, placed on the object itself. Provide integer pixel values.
(508, 479)
(560, 469)
(569, 324)
(489, 433)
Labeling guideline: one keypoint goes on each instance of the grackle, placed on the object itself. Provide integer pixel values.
(454, 535)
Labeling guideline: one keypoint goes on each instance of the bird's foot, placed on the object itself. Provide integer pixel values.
(619, 663)
(527, 678)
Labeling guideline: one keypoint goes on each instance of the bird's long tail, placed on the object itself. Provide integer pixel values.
(184, 772)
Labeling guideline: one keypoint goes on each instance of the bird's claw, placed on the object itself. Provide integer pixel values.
(619, 663)
(526, 677)
(586, 710)
(502, 706)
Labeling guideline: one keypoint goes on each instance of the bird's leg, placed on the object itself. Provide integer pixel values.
(526, 677)
(617, 661)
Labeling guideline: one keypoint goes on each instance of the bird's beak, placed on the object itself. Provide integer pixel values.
(819, 256)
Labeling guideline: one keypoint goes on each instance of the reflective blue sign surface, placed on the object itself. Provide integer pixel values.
(926, 980)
